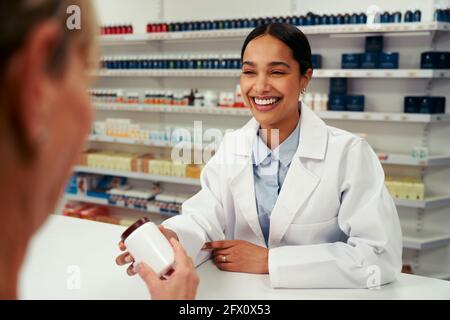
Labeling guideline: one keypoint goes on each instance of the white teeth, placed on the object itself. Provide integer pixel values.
(265, 101)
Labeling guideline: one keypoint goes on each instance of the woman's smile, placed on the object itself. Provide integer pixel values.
(265, 103)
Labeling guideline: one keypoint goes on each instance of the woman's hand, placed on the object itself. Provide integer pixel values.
(181, 284)
(239, 256)
(126, 258)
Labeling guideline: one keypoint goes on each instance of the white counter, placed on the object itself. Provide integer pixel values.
(75, 259)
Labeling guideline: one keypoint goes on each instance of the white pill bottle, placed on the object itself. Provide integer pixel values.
(146, 243)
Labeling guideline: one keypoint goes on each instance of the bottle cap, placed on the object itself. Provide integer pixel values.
(133, 227)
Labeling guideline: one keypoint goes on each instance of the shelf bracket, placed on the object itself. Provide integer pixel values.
(425, 139)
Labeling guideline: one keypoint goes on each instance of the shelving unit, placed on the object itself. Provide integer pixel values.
(425, 240)
(390, 132)
(326, 115)
(391, 29)
(139, 176)
(318, 73)
(104, 202)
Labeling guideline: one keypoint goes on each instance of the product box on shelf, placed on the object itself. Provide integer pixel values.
(355, 103)
(316, 61)
(338, 85)
(369, 60)
(337, 102)
(351, 61)
(374, 44)
(435, 60)
(389, 60)
(427, 104)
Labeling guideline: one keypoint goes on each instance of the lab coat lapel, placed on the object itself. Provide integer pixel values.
(242, 182)
(297, 187)
(299, 182)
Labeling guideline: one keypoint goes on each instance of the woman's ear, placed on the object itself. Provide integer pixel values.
(33, 84)
(305, 78)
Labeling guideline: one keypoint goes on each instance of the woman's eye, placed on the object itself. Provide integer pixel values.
(278, 72)
(248, 72)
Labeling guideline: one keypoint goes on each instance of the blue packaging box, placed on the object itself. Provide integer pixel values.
(355, 103)
(370, 60)
(337, 102)
(438, 104)
(389, 60)
(374, 44)
(435, 60)
(338, 86)
(426, 105)
(411, 104)
(351, 61)
(316, 61)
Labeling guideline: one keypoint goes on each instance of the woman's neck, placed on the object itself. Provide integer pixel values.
(14, 227)
(275, 134)
(12, 252)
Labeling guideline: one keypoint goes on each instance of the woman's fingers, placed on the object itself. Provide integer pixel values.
(124, 258)
(220, 258)
(131, 271)
(122, 246)
(181, 256)
(148, 275)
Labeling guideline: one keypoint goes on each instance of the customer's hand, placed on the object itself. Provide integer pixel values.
(126, 258)
(181, 284)
(239, 256)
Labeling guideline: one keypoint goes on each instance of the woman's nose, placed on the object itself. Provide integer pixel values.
(261, 84)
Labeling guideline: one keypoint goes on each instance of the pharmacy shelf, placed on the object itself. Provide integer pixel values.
(218, 73)
(108, 139)
(318, 73)
(382, 73)
(326, 115)
(383, 116)
(407, 160)
(385, 158)
(150, 143)
(173, 109)
(104, 202)
(424, 240)
(428, 203)
(139, 175)
(328, 30)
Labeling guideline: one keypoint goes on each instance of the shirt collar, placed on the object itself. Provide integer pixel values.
(284, 152)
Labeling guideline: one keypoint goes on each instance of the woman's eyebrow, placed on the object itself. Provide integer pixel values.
(279, 63)
(271, 64)
(251, 64)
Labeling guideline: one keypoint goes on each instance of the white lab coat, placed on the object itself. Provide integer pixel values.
(334, 224)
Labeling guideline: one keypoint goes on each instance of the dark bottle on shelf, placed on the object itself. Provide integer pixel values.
(333, 19)
(191, 98)
(397, 17)
(317, 20)
(354, 18)
(362, 18)
(417, 16)
(346, 18)
(408, 16)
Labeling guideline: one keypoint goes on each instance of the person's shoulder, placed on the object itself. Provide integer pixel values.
(344, 139)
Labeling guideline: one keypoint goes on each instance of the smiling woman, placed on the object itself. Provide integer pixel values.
(289, 195)
(276, 68)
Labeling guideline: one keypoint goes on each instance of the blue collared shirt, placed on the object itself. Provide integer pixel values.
(269, 171)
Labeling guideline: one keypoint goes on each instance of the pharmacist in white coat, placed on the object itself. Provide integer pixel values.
(309, 208)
